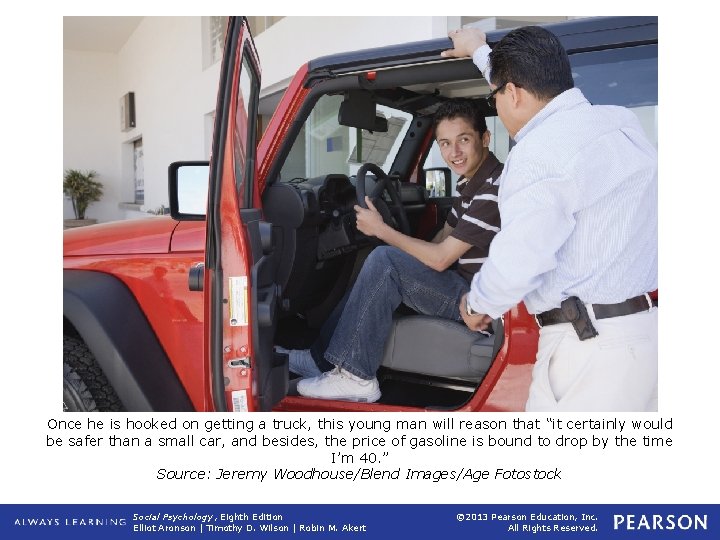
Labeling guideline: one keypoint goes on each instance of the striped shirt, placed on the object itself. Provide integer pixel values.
(474, 217)
(578, 202)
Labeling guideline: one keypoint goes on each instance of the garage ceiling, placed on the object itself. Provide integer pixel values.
(99, 34)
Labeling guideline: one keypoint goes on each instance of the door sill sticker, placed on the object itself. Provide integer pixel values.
(238, 290)
(239, 401)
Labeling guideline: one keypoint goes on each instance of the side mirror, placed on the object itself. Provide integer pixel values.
(438, 181)
(188, 190)
(359, 110)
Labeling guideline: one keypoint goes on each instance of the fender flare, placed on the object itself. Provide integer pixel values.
(113, 326)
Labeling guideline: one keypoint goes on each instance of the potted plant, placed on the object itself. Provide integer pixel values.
(82, 189)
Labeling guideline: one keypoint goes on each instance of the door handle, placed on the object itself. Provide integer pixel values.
(196, 277)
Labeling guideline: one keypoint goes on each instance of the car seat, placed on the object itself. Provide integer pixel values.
(441, 348)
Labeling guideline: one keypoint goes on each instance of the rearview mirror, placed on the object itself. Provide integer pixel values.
(381, 124)
(188, 190)
(358, 110)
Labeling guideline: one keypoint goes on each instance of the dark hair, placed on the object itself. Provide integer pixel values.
(461, 108)
(534, 59)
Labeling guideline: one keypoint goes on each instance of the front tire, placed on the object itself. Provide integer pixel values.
(81, 362)
(76, 396)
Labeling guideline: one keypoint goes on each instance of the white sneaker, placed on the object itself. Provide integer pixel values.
(300, 361)
(342, 385)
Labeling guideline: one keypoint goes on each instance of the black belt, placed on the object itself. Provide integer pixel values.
(602, 311)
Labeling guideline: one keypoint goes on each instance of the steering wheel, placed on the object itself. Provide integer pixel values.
(392, 214)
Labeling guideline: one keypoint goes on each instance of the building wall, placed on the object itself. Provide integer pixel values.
(90, 123)
(162, 64)
(293, 41)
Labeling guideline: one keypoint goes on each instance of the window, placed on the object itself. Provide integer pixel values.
(497, 23)
(259, 24)
(325, 147)
(245, 129)
(139, 172)
(213, 36)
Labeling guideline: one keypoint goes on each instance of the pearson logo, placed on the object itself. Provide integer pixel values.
(659, 522)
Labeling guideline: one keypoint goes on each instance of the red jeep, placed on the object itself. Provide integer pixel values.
(182, 313)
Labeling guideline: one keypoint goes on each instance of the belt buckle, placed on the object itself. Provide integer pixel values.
(649, 301)
(537, 321)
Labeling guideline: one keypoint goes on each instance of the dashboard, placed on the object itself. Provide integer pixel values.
(328, 203)
(331, 198)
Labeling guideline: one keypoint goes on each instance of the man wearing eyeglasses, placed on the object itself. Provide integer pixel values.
(578, 205)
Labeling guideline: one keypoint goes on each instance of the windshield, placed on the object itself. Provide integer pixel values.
(323, 146)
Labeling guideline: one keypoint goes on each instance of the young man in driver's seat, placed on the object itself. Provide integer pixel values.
(408, 270)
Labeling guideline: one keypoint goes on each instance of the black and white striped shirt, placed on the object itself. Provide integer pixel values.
(475, 217)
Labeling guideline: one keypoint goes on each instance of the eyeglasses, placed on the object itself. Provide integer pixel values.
(491, 98)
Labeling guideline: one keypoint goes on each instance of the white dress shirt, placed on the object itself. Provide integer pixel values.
(578, 210)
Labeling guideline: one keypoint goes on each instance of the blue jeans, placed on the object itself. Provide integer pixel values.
(355, 339)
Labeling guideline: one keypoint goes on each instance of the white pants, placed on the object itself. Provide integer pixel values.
(615, 371)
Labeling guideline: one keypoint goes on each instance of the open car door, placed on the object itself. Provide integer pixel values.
(240, 293)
